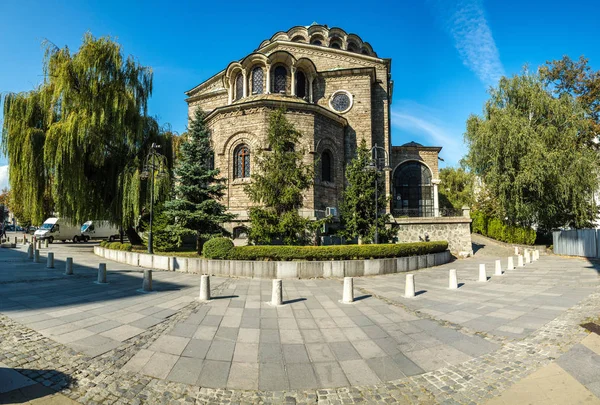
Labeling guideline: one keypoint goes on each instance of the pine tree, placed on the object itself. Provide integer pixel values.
(358, 207)
(278, 185)
(196, 209)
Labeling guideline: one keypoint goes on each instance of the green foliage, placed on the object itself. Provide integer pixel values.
(456, 188)
(126, 247)
(163, 239)
(341, 252)
(196, 208)
(103, 243)
(528, 151)
(278, 182)
(496, 229)
(76, 144)
(217, 248)
(358, 206)
(116, 246)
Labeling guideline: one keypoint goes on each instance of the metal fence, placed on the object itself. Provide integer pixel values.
(426, 212)
(577, 242)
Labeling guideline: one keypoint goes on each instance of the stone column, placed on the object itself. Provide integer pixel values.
(498, 269)
(46, 243)
(69, 266)
(36, 256)
(268, 70)
(277, 295)
(348, 296)
(436, 201)
(510, 265)
(204, 288)
(147, 283)
(293, 81)
(229, 94)
(245, 75)
(409, 288)
(310, 89)
(516, 251)
(102, 273)
(50, 260)
(520, 261)
(482, 273)
(30, 251)
(452, 279)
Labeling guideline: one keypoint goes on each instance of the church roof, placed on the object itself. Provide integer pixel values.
(411, 144)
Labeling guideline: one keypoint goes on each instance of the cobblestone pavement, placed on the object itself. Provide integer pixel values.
(413, 356)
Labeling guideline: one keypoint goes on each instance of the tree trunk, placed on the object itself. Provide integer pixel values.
(199, 244)
(133, 236)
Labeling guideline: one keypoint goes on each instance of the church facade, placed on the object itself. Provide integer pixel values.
(336, 91)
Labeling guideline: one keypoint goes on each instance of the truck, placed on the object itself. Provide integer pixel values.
(58, 229)
(96, 229)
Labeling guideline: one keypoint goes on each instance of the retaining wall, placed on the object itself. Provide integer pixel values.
(261, 269)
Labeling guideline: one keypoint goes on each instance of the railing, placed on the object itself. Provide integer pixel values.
(426, 212)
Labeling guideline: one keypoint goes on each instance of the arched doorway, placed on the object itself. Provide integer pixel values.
(413, 190)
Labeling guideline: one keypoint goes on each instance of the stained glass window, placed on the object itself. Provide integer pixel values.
(239, 86)
(300, 84)
(241, 162)
(257, 80)
(326, 163)
(279, 84)
(340, 101)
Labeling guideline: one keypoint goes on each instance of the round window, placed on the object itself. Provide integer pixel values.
(341, 101)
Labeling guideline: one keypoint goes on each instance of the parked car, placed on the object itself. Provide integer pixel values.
(31, 230)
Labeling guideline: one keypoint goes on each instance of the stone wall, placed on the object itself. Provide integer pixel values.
(455, 230)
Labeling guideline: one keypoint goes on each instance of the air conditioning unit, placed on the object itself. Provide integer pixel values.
(331, 211)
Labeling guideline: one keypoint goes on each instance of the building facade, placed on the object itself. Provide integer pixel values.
(337, 91)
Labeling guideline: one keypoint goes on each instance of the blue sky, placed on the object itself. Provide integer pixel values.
(445, 53)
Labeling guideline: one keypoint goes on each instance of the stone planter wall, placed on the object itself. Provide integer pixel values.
(455, 230)
(272, 270)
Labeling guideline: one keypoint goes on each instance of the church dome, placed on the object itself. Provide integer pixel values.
(322, 35)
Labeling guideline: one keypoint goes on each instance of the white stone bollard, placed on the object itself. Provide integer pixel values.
(409, 288)
(46, 243)
(482, 273)
(535, 255)
(277, 295)
(452, 279)
(527, 257)
(50, 260)
(36, 256)
(147, 283)
(39, 244)
(510, 265)
(204, 287)
(16, 241)
(69, 266)
(348, 296)
(520, 261)
(102, 273)
(516, 251)
(498, 268)
(30, 251)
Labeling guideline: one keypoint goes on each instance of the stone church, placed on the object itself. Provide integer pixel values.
(337, 91)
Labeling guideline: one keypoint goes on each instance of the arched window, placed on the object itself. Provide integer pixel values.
(413, 191)
(298, 38)
(257, 80)
(241, 162)
(316, 42)
(335, 43)
(326, 166)
(280, 79)
(300, 84)
(365, 52)
(239, 86)
(352, 47)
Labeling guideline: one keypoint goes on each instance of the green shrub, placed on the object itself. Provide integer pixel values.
(103, 243)
(496, 229)
(114, 245)
(217, 248)
(126, 247)
(340, 252)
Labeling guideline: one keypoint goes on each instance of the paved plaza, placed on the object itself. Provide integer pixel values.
(113, 343)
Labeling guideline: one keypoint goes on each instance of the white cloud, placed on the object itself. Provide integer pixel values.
(425, 122)
(3, 177)
(465, 20)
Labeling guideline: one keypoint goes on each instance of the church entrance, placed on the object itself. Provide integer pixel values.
(413, 191)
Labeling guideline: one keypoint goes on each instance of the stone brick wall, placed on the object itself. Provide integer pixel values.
(454, 230)
(426, 155)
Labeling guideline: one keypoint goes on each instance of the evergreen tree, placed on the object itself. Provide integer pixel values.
(278, 185)
(358, 207)
(196, 209)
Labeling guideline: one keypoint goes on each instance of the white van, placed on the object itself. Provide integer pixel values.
(99, 230)
(57, 229)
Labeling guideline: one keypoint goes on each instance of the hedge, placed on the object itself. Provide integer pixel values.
(116, 245)
(217, 248)
(338, 252)
(496, 229)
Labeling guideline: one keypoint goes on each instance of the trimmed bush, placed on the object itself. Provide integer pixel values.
(114, 245)
(126, 247)
(217, 248)
(103, 243)
(340, 252)
(496, 229)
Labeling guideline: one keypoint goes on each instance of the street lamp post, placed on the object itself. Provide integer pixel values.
(154, 162)
(378, 167)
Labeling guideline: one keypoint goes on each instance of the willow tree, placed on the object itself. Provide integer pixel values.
(80, 138)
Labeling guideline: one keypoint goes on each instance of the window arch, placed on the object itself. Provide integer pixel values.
(326, 166)
(335, 43)
(298, 38)
(413, 190)
(280, 79)
(257, 80)
(300, 84)
(239, 86)
(241, 162)
(352, 47)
